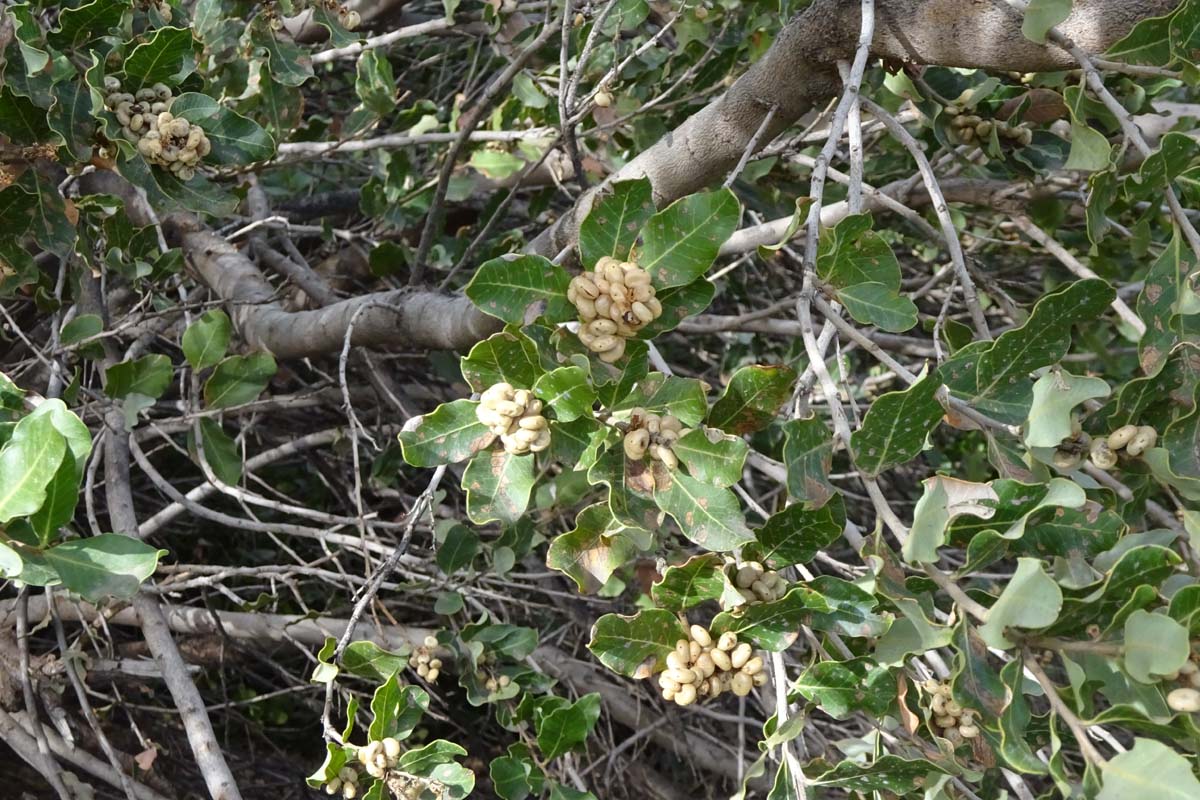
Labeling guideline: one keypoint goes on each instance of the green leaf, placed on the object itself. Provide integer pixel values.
(851, 253)
(1055, 396)
(708, 516)
(238, 379)
(236, 140)
(458, 549)
(397, 709)
(167, 56)
(149, 376)
(220, 451)
(567, 391)
(712, 457)
(1155, 645)
(450, 434)
(612, 225)
(82, 327)
(496, 164)
(88, 22)
(623, 644)
(993, 377)
(336, 757)
(663, 394)
(71, 117)
(77, 435)
(376, 83)
(697, 580)
(28, 462)
(62, 495)
(1031, 599)
(506, 286)
(796, 534)
(10, 562)
(842, 688)
(567, 726)
(20, 119)
(1041, 16)
(944, 499)
(526, 90)
(498, 485)
(890, 774)
(109, 565)
(506, 357)
(808, 454)
(290, 64)
(897, 425)
(368, 660)
(1148, 769)
(752, 398)
(681, 242)
(679, 303)
(773, 626)
(593, 550)
(873, 303)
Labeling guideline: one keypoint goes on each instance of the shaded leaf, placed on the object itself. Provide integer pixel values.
(752, 398)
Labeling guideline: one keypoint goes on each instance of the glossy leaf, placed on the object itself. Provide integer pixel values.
(1031, 599)
(450, 434)
(567, 391)
(508, 357)
(1148, 769)
(109, 565)
(623, 643)
(505, 287)
(808, 454)
(708, 516)
(796, 534)
(614, 221)
(873, 303)
(238, 379)
(236, 140)
(897, 426)
(368, 660)
(752, 398)
(167, 56)
(681, 242)
(498, 485)
(565, 727)
(149, 376)
(712, 457)
(1155, 645)
(28, 463)
(593, 550)
(1055, 396)
(397, 709)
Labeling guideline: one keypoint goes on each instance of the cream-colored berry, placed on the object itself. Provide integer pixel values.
(1103, 456)
(1184, 700)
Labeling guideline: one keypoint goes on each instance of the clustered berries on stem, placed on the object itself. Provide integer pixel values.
(758, 584)
(162, 138)
(1185, 699)
(427, 664)
(970, 127)
(1133, 439)
(699, 667)
(653, 434)
(954, 721)
(515, 416)
(378, 759)
(348, 17)
(614, 301)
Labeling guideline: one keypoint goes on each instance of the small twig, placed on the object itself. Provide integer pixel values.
(49, 768)
(1078, 729)
(751, 146)
(466, 126)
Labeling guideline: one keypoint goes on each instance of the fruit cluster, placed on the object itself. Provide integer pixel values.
(428, 665)
(348, 17)
(969, 127)
(409, 787)
(515, 416)
(1133, 439)
(698, 667)
(379, 756)
(161, 138)
(344, 783)
(653, 434)
(614, 302)
(954, 720)
(757, 584)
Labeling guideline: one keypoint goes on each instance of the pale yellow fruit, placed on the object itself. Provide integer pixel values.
(686, 695)
(727, 641)
(604, 100)
(740, 655)
(742, 684)
(1122, 436)
(1184, 700)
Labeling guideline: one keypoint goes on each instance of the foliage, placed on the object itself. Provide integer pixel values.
(999, 518)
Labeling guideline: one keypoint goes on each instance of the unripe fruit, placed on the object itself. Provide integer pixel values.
(700, 634)
(603, 99)
(686, 695)
(727, 641)
(721, 659)
(1102, 456)
(1184, 700)
(753, 666)
(968, 731)
(1122, 436)
(701, 12)
(742, 684)
(333, 786)
(391, 747)
(740, 655)
(431, 641)
(1145, 439)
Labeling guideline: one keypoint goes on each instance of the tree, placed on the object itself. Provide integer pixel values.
(483, 398)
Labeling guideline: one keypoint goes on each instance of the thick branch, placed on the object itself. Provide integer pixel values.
(798, 71)
(402, 318)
